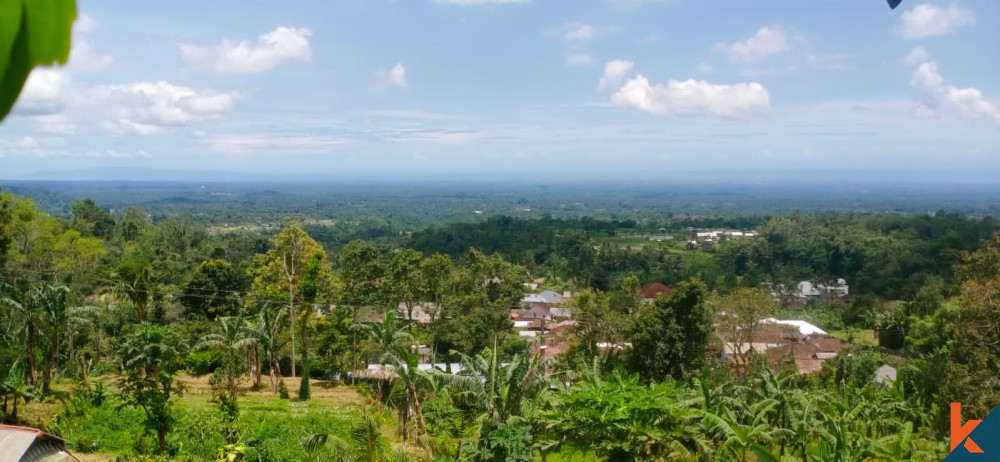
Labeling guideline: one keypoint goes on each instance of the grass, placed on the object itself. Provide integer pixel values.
(861, 336)
(275, 428)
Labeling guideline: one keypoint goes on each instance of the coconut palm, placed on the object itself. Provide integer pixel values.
(405, 394)
(232, 330)
(386, 339)
(135, 286)
(28, 320)
(263, 333)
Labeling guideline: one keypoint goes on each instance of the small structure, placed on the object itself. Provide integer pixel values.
(650, 292)
(23, 444)
(885, 375)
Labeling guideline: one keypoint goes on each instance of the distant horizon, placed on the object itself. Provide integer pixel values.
(143, 174)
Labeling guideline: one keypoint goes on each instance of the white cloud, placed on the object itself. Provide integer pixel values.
(82, 57)
(45, 92)
(404, 135)
(936, 98)
(767, 42)
(705, 68)
(926, 20)
(916, 56)
(579, 59)
(692, 97)
(520, 155)
(479, 2)
(147, 107)
(85, 23)
(395, 77)
(274, 144)
(418, 157)
(579, 31)
(273, 48)
(56, 124)
(614, 74)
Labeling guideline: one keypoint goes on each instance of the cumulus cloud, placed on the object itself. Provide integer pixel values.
(692, 97)
(395, 77)
(614, 74)
(245, 57)
(478, 2)
(916, 56)
(767, 42)
(926, 20)
(936, 98)
(45, 92)
(146, 108)
(579, 59)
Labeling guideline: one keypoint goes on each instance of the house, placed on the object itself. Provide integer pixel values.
(885, 375)
(650, 292)
(807, 289)
(803, 327)
(790, 342)
(419, 313)
(23, 444)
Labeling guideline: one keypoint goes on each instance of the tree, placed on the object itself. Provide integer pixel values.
(152, 356)
(670, 337)
(499, 393)
(740, 313)
(597, 323)
(279, 272)
(92, 220)
(405, 282)
(135, 285)
(214, 289)
(28, 316)
(264, 333)
(386, 338)
(438, 276)
(361, 270)
(406, 391)
(6, 220)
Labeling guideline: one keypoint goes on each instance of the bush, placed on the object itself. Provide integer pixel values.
(204, 362)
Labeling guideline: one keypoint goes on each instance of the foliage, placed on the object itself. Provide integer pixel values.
(152, 357)
(670, 337)
(32, 33)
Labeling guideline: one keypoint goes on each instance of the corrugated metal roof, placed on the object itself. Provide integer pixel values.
(14, 443)
(23, 444)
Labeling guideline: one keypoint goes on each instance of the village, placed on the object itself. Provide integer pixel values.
(545, 318)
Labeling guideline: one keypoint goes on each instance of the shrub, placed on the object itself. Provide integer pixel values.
(204, 362)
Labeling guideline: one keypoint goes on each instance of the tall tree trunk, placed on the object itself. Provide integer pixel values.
(83, 372)
(29, 357)
(291, 318)
(276, 371)
(421, 426)
(161, 436)
(255, 371)
(50, 359)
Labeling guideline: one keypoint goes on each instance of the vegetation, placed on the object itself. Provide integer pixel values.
(140, 336)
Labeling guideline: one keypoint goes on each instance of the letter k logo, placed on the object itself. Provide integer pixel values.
(960, 432)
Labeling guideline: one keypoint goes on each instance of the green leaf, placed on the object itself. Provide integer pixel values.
(16, 73)
(10, 25)
(50, 23)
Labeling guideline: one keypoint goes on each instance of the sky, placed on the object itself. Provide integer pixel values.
(588, 87)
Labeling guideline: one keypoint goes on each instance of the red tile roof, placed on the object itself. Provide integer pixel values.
(654, 289)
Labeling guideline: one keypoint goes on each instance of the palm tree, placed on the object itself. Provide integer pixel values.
(409, 378)
(264, 333)
(231, 333)
(28, 319)
(386, 339)
(135, 286)
(499, 391)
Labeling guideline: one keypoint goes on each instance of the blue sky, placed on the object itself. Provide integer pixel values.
(486, 86)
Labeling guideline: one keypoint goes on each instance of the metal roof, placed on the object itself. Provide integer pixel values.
(23, 444)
